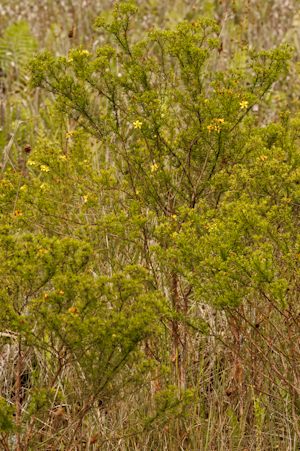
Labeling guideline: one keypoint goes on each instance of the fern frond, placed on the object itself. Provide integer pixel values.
(17, 46)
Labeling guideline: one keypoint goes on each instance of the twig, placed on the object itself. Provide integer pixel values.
(8, 147)
(17, 195)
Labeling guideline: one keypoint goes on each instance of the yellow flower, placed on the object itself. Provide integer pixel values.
(154, 167)
(31, 163)
(85, 198)
(44, 168)
(72, 309)
(210, 128)
(85, 52)
(61, 292)
(221, 121)
(43, 251)
(137, 192)
(70, 59)
(63, 157)
(244, 104)
(46, 296)
(137, 124)
(18, 212)
(263, 157)
(174, 216)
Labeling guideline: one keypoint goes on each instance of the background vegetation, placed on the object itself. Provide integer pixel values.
(149, 246)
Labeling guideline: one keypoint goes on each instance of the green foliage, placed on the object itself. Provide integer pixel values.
(6, 417)
(160, 197)
(183, 117)
(99, 320)
(170, 404)
(41, 401)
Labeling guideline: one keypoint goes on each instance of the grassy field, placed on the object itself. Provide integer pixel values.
(213, 376)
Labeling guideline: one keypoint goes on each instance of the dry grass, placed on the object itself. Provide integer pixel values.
(239, 401)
